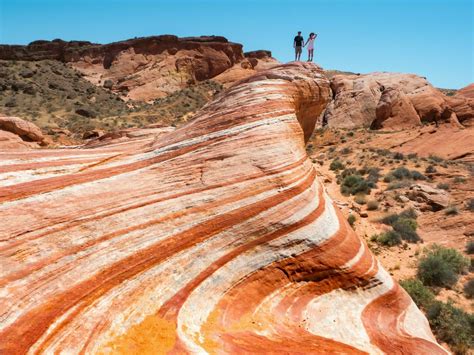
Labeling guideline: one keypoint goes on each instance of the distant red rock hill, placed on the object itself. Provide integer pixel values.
(149, 67)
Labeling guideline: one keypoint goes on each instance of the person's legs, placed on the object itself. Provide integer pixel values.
(311, 55)
(298, 53)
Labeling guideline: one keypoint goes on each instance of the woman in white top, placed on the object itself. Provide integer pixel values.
(310, 44)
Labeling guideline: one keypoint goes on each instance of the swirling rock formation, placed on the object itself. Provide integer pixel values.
(215, 238)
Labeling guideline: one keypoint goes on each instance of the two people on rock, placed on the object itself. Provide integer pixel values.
(298, 44)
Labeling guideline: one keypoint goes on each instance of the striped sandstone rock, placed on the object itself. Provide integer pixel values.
(214, 238)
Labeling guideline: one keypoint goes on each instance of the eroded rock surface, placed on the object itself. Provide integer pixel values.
(216, 237)
(143, 68)
(392, 101)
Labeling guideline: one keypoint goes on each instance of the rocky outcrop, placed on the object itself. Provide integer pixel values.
(467, 91)
(390, 101)
(16, 132)
(141, 68)
(216, 237)
(436, 199)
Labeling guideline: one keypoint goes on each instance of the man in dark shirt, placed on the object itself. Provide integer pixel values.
(298, 44)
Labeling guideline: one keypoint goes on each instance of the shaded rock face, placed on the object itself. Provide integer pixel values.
(390, 101)
(141, 68)
(216, 237)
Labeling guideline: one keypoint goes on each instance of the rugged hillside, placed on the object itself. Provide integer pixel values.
(63, 104)
(215, 237)
(142, 68)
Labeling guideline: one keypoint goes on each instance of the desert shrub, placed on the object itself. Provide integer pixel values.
(354, 184)
(430, 169)
(395, 185)
(421, 295)
(360, 199)
(389, 238)
(412, 156)
(373, 175)
(443, 186)
(451, 211)
(351, 219)
(406, 228)
(470, 247)
(469, 288)
(401, 173)
(459, 180)
(452, 325)
(434, 271)
(346, 150)
(470, 204)
(348, 171)
(408, 213)
(416, 175)
(350, 134)
(383, 152)
(336, 165)
(372, 205)
(441, 266)
(388, 178)
(398, 156)
(435, 158)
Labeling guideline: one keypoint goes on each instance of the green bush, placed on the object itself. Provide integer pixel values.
(434, 271)
(406, 228)
(395, 185)
(401, 173)
(451, 211)
(430, 169)
(372, 205)
(441, 266)
(398, 156)
(454, 258)
(389, 238)
(351, 219)
(459, 180)
(416, 175)
(354, 184)
(469, 288)
(421, 295)
(470, 204)
(435, 158)
(336, 165)
(443, 186)
(360, 199)
(452, 325)
(470, 247)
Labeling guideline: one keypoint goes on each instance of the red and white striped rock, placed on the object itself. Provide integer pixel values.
(214, 238)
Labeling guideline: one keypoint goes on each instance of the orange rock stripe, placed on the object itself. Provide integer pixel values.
(381, 320)
(34, 323)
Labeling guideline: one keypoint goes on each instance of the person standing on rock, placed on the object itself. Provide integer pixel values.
(310, 44)
(298, 45)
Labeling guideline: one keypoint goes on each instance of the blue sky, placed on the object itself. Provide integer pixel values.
(432, 38)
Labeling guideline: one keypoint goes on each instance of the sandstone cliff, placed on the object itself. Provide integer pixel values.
(392, 101)
(142, 68)
(215, 237)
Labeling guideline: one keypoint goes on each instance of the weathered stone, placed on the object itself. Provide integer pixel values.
(215, 238)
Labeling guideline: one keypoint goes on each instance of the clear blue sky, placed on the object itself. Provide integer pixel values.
(432, 38)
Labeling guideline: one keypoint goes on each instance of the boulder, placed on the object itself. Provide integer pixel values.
(27, 131)
(389, 101)
(437, 199)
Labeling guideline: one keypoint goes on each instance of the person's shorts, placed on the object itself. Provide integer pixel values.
(298, 49)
